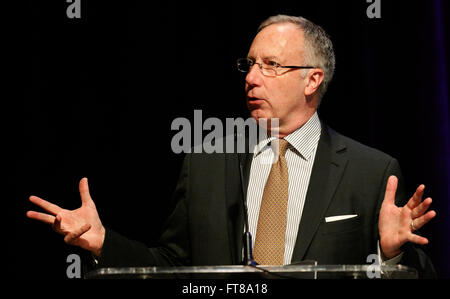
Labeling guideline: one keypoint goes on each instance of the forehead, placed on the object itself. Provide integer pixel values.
(284, 41)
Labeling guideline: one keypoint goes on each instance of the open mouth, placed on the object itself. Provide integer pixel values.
(254, 100)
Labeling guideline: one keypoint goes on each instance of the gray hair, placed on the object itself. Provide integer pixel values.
(318, 46)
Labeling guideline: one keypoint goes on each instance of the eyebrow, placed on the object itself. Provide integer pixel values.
(265, 57)
(271, 57)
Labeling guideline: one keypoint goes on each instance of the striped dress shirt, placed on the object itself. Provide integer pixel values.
(300, 159)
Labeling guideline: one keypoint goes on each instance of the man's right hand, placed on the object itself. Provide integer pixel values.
(81, 227)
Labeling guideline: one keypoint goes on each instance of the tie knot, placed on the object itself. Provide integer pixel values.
(280, 146)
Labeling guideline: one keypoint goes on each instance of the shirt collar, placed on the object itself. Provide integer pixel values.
(304, 140)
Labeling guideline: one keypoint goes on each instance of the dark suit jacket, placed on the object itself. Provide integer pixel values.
(207, 223)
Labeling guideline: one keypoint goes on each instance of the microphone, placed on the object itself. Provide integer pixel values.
(247, 237)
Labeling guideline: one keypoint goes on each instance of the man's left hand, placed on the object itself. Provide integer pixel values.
(396, 225)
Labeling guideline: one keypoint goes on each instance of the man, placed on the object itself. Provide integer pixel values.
(325, 198)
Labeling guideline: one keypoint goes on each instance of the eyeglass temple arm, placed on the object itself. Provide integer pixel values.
(296, 67)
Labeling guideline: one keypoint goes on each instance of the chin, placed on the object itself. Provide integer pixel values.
(259, 113)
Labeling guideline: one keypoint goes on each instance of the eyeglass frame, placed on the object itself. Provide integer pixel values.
(275, 68)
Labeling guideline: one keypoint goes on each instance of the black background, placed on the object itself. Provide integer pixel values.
(96, 97)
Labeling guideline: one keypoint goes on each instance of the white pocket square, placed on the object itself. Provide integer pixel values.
(338, 218)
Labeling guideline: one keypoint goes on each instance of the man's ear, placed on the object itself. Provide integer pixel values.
(314, 79)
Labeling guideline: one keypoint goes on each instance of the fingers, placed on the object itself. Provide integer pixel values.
(71, 237)
(391, 188)
(56, 225)
(41, 217)
(84, 192)
(421, 208)
(54, 209)
(55, 221)
(418, 223)
(418, 239)
(415, 200)
(424, 219)
(48, 206)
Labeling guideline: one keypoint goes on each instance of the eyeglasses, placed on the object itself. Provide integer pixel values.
(268, 68)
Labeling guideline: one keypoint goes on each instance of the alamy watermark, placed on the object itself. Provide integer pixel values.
(212, 135)
(374, 9)
(374, 269)
(73, 11)
(74, 268)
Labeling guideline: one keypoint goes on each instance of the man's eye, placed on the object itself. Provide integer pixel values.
(272, 63)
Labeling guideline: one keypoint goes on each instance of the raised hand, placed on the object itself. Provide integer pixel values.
(396, 225)
(81, 227)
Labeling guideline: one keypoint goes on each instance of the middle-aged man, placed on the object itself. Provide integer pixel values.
(325, 198)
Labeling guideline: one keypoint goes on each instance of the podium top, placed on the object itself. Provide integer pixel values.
(263, 272)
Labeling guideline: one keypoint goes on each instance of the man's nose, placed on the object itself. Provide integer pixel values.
(254, 76)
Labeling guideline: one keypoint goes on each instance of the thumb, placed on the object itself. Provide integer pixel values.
(391, 188)
(86, 198)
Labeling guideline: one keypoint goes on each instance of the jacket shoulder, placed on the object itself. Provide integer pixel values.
(357, 149)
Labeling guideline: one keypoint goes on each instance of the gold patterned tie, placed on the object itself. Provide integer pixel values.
(271, 230)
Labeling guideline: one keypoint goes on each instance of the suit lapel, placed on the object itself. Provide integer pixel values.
(329, 166)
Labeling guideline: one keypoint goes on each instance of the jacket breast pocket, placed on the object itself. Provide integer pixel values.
(341, 226)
